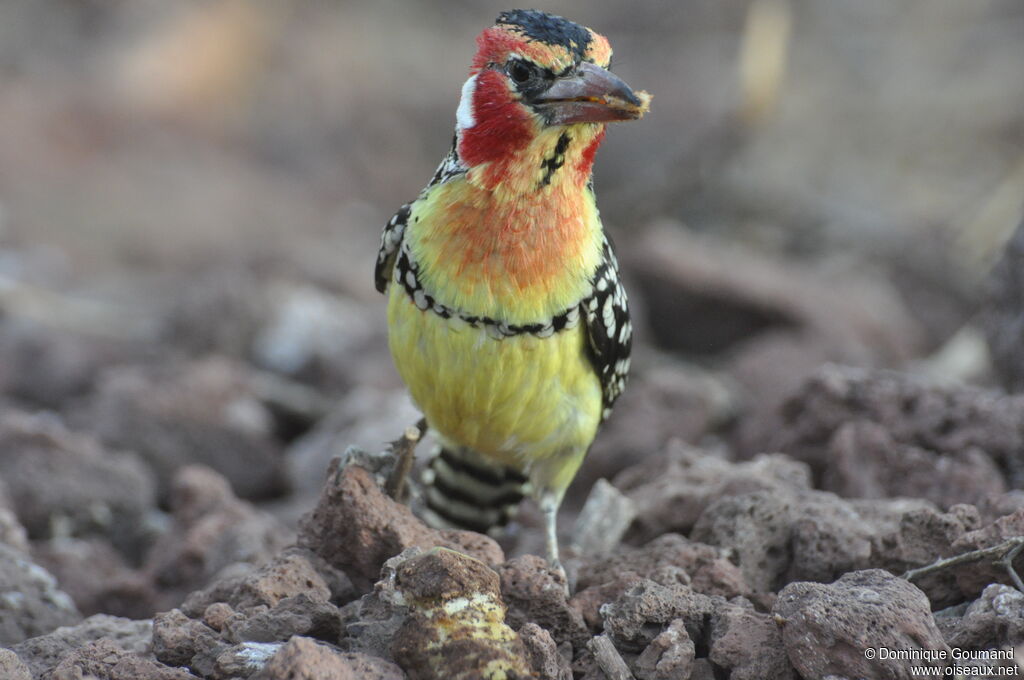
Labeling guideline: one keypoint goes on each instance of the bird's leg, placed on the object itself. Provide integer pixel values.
(549, 503)
(405, 450)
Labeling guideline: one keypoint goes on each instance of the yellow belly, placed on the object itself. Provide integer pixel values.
(522, 401)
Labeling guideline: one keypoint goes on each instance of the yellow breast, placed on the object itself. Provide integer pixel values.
(518, 400)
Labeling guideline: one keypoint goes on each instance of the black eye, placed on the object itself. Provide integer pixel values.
(520, 72)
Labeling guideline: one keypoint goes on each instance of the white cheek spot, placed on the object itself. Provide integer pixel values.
(464, 114)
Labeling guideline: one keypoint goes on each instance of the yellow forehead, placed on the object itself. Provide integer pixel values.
(558, 58)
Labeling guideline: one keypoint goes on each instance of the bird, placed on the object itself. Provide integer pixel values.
(507, 319)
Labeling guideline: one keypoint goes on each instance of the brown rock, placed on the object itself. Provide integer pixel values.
(973, 578)
(295, 572)
(827, 540)
(588, 601)
(11, 531)
(455, 629)
(292, 572)
(48, 368)
(305, 659)
(994, 620)
(203, 412)
(643, 611)
(827, 628)
(886, 514)
(97, 491)
(702, 670)
(12, 668)
(212, 530)
(298, 615)
(919, 537)
(5, 497)
(671, 490)
(443, 574)
(217, 310)
(670, 655)
(781, 537)
(777, 321)
(708, 297)
(584, 667)
(42, 654)
(372, 621)
(864, 461)
(223, 589)
(314, 334)
(31, 603)
(356, 527)
(217, 615)
(907, 537)
(181, 641)
(603, 520)
(97, 577)
(105, 660)
(946, 421)
(994, 507)
(1003, 316)
(535, 592)
(671, 401)
(709, 571)
(748, 644)
(591, 601)
(542, 653)
(608, 659)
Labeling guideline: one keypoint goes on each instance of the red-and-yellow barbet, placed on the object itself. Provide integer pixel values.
(506, 316)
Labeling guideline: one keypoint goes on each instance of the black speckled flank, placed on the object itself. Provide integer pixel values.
(548, 28)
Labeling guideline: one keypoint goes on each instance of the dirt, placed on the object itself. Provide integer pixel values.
(151, 528)
(733, 568)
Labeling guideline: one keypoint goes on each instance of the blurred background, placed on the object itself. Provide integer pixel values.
(145, 137)
(192, 194)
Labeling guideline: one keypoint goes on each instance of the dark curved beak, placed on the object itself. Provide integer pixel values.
(590, 94)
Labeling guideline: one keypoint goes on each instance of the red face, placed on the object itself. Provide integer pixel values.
(534, 72)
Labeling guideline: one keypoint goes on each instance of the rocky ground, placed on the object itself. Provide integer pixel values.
(173, 513)
(816, 470)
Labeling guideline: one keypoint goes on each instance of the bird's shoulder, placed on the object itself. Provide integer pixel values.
(605, 312)
(449, 169)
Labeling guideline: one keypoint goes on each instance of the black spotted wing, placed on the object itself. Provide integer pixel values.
(390, 242)
(609, 332)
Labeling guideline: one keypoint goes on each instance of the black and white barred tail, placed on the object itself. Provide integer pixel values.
(463, 491)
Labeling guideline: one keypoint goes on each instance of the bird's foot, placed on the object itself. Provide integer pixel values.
(405, 452)
(561, 575)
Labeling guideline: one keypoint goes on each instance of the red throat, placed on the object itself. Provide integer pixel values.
(586, 162)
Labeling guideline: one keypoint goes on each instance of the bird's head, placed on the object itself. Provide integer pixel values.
(537, 81)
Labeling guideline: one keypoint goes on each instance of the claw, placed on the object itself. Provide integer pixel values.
(405, 450)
